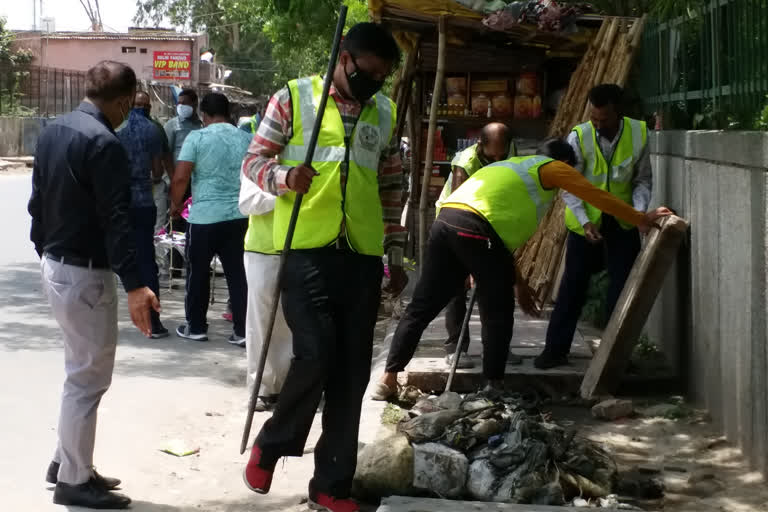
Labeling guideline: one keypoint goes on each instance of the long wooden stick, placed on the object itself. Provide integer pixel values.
(464, 332)
(436, 92)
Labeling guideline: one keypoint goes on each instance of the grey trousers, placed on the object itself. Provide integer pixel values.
(84, 303)
(160, 195)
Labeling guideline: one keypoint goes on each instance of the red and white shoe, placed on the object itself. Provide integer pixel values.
(328, 503)
(257, 478)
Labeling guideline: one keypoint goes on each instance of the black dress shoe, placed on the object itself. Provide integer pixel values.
(91, 494)
(547, 360)
(52, 477)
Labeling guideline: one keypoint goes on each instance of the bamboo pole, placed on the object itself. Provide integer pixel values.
(636, 35)
(436, 92)
(399, 88)
(608, 59)
(406, 89)
(605, 56)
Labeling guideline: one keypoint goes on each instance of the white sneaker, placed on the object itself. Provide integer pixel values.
(236, 340)
(464, 361)
(183, 331)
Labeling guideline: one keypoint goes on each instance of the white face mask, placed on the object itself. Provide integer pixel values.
(184, 111)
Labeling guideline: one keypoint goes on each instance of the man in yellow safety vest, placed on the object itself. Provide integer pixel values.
(495, 144)
(349, 217)
(612, 153)
(476, 232)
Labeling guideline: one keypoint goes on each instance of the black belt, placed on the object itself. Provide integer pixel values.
(76, 261)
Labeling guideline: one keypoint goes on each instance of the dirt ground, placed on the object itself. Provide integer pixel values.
(701, 471)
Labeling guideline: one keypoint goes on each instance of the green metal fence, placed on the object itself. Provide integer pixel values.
(708, 69)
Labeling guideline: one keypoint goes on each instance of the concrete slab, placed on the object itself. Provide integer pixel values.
(431, 374)
(428, 371)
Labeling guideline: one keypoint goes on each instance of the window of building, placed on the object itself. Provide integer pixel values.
(143, 50)
(129, 49)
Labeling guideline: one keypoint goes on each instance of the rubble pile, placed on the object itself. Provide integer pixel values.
(497, 447)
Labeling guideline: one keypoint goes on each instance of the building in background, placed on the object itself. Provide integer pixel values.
(156, 55)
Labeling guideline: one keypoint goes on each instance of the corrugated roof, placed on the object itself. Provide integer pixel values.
(131, 36)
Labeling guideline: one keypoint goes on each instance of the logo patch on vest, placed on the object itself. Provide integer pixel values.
(369, 137)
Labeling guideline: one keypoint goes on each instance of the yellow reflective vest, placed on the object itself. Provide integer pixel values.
(327, 205)
(468, 160)
(618, 179)
(259, 237)
(509, 195)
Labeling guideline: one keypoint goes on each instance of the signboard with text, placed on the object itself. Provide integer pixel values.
(172, 66)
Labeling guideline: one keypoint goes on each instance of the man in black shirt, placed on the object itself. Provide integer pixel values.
(81, 230)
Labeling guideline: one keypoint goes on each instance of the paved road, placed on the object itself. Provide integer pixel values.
(14, 194)
(162, 390)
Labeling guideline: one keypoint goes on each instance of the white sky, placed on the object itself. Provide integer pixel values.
(69, 15)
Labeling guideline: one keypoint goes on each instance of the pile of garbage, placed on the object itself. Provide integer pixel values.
(487, 446)
(544, 14)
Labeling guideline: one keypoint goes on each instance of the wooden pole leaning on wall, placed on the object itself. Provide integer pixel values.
(631, 312)
(436, 93)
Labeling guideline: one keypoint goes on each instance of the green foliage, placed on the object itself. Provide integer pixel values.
(681, 409)
(392, 414)
(761, 123)
(12, 64)
(278, 39)
(594, 309)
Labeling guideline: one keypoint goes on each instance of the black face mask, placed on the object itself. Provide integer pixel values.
(361, 84)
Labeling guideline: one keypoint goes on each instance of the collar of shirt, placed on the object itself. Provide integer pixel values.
(612, 142)
(92, 110)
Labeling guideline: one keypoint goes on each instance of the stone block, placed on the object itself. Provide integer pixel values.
(384, 468)
(613, 409)
(439, 469)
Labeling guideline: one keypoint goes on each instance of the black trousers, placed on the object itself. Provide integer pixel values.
(616, 253)
(454, 318)
(330, 300)
(143, 223)
(461, 243)
(204, 241)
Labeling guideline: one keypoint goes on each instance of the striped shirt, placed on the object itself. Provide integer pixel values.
(276, 129)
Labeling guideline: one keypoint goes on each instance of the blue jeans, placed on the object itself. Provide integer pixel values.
(143, 222)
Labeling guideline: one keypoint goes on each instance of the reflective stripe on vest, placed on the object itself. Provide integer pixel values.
(509, 195)
(468, 160)
(616, 179)
(325, 207)
(254, 126)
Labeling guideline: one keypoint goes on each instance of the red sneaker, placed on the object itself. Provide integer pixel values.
(330, 504)
(257, 478)
(227, 316)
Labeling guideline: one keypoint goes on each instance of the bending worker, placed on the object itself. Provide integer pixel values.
(349, 215)
(495, 144)
(478, 228)
(597, 240)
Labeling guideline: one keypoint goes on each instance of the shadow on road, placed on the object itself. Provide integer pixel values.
(26, 324)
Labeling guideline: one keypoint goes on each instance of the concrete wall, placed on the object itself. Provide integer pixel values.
(18, 135)
(711, 315)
